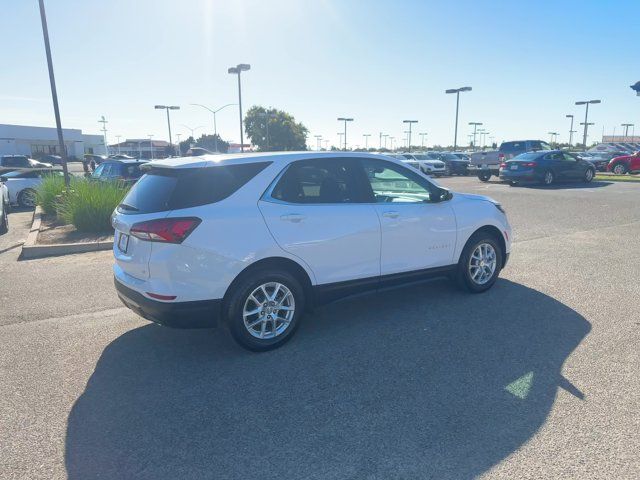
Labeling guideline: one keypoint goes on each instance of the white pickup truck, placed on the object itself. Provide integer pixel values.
(487, 163)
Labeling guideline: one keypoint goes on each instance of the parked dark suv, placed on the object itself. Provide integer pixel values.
(119, 170)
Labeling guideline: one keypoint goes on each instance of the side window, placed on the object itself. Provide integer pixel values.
(392, 183)
(332, 180)
(569, 158)
(557, 156)
(98, 171)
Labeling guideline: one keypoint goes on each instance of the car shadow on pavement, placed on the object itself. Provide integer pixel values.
(566, 186)
(419, 382)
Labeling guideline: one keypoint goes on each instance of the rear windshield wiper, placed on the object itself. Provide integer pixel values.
(124, 206)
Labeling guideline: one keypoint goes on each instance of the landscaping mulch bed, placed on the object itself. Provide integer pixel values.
(53, 231)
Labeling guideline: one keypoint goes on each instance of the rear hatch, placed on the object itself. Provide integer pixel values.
(163, 193)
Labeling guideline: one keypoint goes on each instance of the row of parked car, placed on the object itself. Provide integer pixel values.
(436, 163)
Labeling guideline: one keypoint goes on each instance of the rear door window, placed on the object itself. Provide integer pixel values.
(327, 180)
(172, 189)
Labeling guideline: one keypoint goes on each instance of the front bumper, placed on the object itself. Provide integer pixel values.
(196, 314)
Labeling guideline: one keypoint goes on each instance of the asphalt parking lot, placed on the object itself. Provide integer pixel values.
(538, 378)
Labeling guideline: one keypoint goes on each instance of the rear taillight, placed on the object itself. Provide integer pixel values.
(503, 165)
(530, 164)
(167, 230)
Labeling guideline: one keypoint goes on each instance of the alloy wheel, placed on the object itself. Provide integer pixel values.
(588, 176)
(619, 169)
(268, 310)
(548, 178)
(482, 263)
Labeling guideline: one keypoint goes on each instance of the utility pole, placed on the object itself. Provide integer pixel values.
(54, 92)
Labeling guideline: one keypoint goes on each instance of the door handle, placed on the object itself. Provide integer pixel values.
(292, 217)
(391, 214)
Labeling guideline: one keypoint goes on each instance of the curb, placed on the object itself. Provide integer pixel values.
(31, 250)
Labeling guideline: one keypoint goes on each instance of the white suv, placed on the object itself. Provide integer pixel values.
(257, 239)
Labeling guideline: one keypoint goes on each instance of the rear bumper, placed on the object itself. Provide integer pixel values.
(198, 314)
(522, 176)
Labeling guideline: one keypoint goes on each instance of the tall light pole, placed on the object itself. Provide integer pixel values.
(393, 141)
(167, 108)
(118, 139)
(366, 140)
(345, 120)
(553, 137)
(410, 122)
(267, 116)
(475, 128)
(318, 140)
(340, 135)
(385, 139)
(151, 145)
(54, 92)
(380, 146)
(237, 70)
(626, 129)
(192, 129)
(104, 122)
(179, 147)
(422, 135)
(457, 92)
(215, 124)
(570, 130)
(586, 118)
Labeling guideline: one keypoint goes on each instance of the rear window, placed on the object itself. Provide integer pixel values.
(172, 189)
(527, 157)
(511, 147)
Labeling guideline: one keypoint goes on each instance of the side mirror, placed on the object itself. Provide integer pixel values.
(443, 195)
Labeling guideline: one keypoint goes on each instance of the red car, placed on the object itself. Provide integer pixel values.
(624, 164)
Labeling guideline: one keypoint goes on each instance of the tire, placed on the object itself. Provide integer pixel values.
(471, 274)
(247, 296)
(4, 221)
(619, 169)
(484, 177)
(548, 178)
(588, 175)
(27, 198)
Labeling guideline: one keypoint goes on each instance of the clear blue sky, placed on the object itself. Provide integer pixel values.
(377, 61)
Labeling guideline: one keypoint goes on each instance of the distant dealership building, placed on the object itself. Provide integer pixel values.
(141, 148)
(38, 141)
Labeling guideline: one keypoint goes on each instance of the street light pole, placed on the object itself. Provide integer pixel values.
(626, 129)
(410, 122)
(192, 130)
(340, 134)
(267, 116)
(54, 92)
(318, 138)
(118, 139)
(570, 130)
(366, 140)
(475, 127)
(237, 70)
(385, 139)
(167, 108)
(422, 135)
(586, 118)
(457, 92)
(345, 120)
(215, 124)
(151, 145)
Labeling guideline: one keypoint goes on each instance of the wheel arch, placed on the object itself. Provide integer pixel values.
(275, 263)
(497, 234)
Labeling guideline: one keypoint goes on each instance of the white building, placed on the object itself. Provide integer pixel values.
(38, 141)
(141, 148)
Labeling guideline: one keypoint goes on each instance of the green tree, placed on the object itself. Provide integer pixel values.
(205, 141)
(284, 133)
